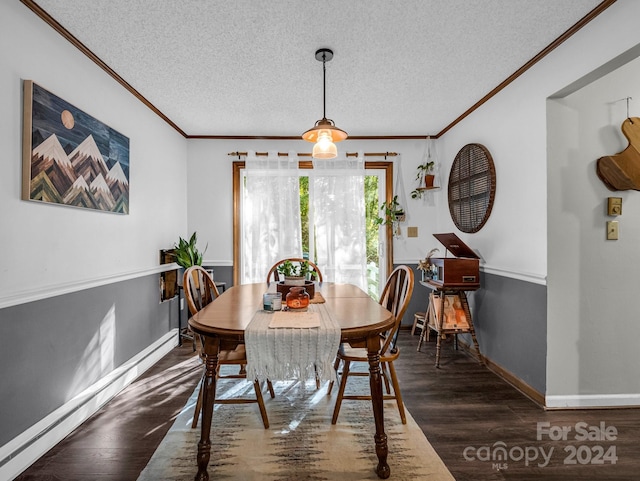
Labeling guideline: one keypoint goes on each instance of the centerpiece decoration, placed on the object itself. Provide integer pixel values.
(297, 298)
(429, 270)
(296, 274)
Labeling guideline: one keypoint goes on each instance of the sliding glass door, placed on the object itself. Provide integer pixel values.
(378, 248)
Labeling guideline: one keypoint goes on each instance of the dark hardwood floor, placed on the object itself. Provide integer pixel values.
(116, 443)
(465, 408)
(465, 411)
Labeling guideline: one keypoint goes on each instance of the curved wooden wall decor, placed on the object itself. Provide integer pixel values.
(472, 188)
(622, 171)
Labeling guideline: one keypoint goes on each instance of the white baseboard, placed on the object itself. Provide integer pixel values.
(26, 448)
(592, 401)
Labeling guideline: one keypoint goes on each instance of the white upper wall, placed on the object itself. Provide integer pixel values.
(210, 192)
(547, 224)
(548, 219)
(513, 127)
(47, 248)
(593, 319)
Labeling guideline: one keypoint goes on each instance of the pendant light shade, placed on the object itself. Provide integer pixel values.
(324, 147)
(324, 133)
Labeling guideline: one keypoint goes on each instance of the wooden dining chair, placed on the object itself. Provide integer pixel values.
(200, 290)
(274, 275)
(395, 298)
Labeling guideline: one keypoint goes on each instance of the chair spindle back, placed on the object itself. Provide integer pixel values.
(395, 298)
(199, 288)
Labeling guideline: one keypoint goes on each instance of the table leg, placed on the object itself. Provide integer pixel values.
(439, 326)
(472, 331)
(211, 348)
(375, 381)
(438, 342)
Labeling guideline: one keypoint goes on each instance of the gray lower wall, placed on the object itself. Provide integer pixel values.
(223, 274)
(510, 319)
(55, 348)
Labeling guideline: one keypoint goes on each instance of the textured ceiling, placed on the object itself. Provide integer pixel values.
(229, 68)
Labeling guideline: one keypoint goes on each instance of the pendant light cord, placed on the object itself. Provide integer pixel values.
(324, 86)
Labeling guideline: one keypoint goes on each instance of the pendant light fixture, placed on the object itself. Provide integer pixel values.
(324, 133)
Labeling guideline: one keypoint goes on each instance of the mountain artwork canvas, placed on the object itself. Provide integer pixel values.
(71, 158)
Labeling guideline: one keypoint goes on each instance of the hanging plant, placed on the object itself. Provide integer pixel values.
(392, 212)
(425, 175)
(425, 178)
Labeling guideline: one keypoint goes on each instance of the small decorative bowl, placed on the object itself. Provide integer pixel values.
(310, 286)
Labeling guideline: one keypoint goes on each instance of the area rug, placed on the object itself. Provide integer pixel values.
(300, 444)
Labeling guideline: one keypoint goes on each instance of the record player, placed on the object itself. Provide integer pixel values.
(459, 272)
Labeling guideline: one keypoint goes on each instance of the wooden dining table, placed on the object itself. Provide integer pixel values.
(222, 324)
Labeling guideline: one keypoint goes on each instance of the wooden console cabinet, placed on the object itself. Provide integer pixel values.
(448, 310)
(461, 271)
(447, 313)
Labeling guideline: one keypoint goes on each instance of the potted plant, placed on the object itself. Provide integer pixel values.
(186, 252)
(425, 178)
(295, 274)
(392, 212)
(307, 271)
(425, 173)
(291, 273)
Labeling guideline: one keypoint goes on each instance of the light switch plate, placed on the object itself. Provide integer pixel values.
(412, 232)
(612, 230)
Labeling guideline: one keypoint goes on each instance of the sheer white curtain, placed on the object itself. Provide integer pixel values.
(337, 190)
(270, 214)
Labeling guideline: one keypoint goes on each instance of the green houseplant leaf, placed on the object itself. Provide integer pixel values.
(298, 269)
(187, 253)
(391, 210)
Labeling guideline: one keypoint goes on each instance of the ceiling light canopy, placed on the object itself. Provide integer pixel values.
(324, 133)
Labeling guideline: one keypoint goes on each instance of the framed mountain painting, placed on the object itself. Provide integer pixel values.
(71, 158)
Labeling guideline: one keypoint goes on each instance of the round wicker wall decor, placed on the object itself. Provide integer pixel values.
(472, 187)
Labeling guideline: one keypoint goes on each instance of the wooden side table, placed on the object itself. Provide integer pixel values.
(183, 332)
(448, 313)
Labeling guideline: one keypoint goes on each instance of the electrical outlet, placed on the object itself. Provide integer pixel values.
(614, 206)
(412, 232)
(612, 230)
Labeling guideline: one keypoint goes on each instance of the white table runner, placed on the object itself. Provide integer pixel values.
(285, 319)
(277, 351)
